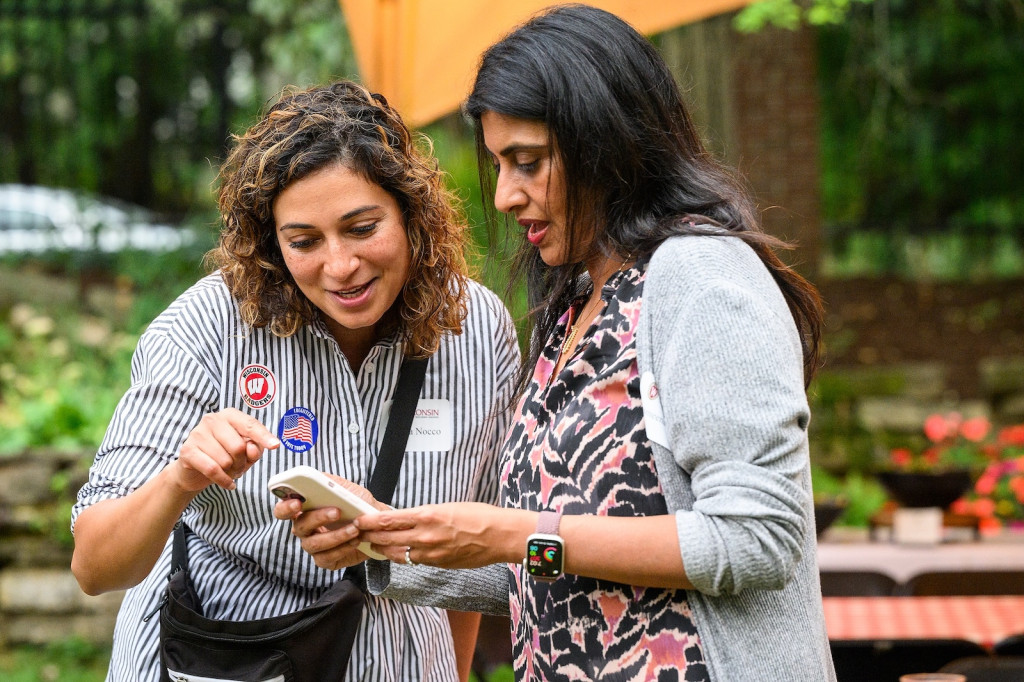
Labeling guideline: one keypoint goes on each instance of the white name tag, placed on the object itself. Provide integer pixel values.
(431, 426)
(654, 418)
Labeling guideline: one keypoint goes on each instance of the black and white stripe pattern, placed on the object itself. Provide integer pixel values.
(245, 563)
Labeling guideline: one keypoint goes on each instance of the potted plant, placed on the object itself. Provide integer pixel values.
(997, 497)
(937, 474)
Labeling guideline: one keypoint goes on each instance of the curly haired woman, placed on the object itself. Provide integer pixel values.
(341, 253)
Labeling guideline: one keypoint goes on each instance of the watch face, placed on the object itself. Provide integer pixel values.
(544, 558)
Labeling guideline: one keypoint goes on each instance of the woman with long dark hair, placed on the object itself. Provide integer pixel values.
(657, 518)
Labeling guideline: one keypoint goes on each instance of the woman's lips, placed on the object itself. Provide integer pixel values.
(535, 230)
(353, 296)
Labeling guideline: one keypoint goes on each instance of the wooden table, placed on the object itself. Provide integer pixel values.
(902, 562)
(984, 620)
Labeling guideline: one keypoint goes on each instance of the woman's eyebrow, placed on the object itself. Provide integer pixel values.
(522, 147)
(362, 209)
(348, 216)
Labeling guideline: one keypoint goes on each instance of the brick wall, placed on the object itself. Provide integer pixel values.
(755, 102)
(775, 114)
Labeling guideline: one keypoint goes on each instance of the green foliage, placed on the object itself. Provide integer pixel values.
(789, 14)
(921, 111)
(306, 42)
(65, 364)
(921, 152)
(860, 494)
(503, 673)
(491, 249)
(156, 279)
(838, 440)
(950, 256)
(60, 380)
(70, 660)
(140, 105)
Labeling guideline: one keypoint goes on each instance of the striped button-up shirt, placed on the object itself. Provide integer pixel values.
(199, 357)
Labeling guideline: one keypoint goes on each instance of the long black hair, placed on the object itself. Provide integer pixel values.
(635, 170)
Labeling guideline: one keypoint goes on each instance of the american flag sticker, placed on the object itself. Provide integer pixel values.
(298, 429)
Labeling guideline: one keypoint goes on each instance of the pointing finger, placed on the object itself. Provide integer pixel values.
(251, 428)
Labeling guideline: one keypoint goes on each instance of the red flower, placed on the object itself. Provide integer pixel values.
(984, 507)
(975, 429)
(901, 457)
(961, 506)
(1017, 486)
(1012, 435)
(951, 442)
(989, 525)
(986, 484)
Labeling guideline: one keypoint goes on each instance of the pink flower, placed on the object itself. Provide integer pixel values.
(986, 483)
(975, 429)
(961, 506)
(937, 428)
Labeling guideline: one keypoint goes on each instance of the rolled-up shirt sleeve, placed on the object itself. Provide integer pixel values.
(170, 391)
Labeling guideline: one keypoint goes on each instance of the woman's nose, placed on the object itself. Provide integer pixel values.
(342, 261)
(507, 194)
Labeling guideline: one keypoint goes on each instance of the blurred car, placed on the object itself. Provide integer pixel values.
(36, 220)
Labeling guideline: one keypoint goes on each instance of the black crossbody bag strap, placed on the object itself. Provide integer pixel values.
(389, 459)
(396, 435)
(392, 451)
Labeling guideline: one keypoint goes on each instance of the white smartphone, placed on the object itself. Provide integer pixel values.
(316, 490)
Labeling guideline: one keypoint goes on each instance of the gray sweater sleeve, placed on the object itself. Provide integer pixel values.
(482, 589)
(730, 376)
(717, 334)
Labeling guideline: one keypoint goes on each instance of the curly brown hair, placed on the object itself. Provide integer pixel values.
(303, 132)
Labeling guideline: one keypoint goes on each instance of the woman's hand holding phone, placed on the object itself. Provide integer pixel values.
(321, 508)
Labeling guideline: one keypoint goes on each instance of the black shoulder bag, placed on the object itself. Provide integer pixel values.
(311, 644)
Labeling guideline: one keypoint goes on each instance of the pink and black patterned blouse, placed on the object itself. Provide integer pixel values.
(579, 445)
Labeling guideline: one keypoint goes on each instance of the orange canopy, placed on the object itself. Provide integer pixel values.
(422, 54)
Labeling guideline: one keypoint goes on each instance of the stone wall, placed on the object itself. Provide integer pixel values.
(855, 409)
(40, 601)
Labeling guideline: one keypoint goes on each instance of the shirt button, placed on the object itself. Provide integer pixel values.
(353, 428)
(369, 366)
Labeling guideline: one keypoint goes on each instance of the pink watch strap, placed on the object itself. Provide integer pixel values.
(548, 522)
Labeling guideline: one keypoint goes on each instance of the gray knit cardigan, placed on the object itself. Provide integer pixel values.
(719, 338)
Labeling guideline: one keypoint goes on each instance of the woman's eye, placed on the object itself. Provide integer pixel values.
(364, 229)
(301, 244)
(526, 166)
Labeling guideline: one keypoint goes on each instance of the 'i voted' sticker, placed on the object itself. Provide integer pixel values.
(298, 429)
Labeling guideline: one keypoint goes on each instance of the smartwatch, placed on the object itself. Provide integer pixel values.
(545, 549)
